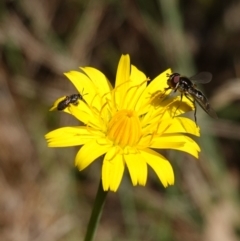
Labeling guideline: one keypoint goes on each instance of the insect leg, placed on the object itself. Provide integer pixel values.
(178, 105)
(81, 96)
(195, 108)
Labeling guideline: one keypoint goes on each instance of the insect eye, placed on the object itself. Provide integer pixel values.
(176, 78)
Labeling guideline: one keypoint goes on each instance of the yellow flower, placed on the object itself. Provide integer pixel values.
(125, 124)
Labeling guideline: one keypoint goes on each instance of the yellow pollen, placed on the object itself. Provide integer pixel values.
(124, 129)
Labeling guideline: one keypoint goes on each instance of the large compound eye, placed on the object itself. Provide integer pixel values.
(176, 78)
(173, 80)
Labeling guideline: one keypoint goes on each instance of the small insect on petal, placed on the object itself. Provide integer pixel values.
(71, 99)
(186, 86)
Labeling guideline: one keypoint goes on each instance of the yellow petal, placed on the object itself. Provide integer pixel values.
(178, 106)
(122, 79)
(85, 87)
(167, 109)
(160, 165)
(83, 113)
(136, 86)
(191, 148)
(90, 152)
(178, 125)
(112, 170)
(137, 168)
(138, 78)
(160, 82)
(69, 136)
(177, 142)
(156, 86)
(123, 70)
(102, 84)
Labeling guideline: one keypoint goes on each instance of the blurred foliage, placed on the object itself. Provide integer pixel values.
(42, 196)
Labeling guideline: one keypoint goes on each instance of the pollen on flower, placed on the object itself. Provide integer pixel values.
(124, 128)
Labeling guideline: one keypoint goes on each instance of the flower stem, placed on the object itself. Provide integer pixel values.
(96, 213)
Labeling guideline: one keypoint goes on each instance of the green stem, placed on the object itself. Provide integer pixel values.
(96, 213)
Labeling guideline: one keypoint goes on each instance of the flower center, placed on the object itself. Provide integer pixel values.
(124, 129)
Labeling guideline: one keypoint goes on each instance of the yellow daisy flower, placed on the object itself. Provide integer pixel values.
(125, 124)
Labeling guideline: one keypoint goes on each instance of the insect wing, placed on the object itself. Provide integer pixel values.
(206, 107)
(202, 78)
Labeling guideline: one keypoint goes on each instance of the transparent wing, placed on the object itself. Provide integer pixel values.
(207, 108)
(202, 78)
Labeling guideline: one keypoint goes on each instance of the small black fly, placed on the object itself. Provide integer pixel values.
(186, 86)
(71, 99)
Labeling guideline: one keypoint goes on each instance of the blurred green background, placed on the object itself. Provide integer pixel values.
(42, 196)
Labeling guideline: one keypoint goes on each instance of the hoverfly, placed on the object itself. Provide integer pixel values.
(71, 99)
(186, 86)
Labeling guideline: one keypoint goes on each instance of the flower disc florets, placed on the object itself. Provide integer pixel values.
(124, 128)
